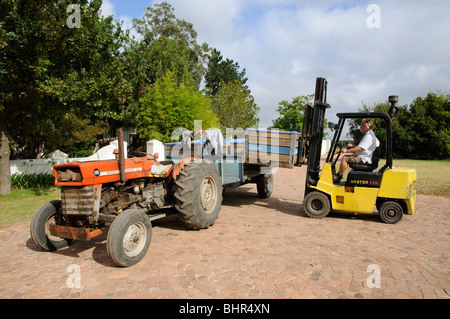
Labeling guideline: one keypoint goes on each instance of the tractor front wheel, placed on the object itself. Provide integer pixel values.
(39, 227)
(129, 237)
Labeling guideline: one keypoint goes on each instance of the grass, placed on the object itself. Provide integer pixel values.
(21, 204)
(433, 178)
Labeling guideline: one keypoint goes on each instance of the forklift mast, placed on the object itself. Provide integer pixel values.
(310, 142)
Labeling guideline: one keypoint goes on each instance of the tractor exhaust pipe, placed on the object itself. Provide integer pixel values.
(121, 155)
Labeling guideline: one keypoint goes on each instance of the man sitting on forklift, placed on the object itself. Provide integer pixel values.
(361, 153)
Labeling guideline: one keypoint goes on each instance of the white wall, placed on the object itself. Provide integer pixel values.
(37, 166)
(326, 144)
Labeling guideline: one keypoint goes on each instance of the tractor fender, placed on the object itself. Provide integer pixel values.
(180, 166)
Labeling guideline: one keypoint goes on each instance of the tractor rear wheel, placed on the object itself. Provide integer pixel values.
(129, 237)
(316, 205)
(39, 228)
(199, 194)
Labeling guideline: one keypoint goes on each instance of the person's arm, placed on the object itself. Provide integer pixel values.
(352, 150)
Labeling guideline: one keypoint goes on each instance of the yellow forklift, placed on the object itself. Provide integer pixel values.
(390, 190)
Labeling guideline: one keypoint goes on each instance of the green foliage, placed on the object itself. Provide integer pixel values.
(222, 71)
(22, 181)
(292, 113)
(235, 106)
(429, 117)
(420, 131)
(50, 70)
(63, 88)
(167, 105)
(231, 98)
(169, 44)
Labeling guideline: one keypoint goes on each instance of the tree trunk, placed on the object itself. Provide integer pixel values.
(5, 173)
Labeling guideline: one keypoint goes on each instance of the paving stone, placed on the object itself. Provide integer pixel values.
(256, 249)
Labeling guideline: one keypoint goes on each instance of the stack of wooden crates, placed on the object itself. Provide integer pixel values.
(259, 147)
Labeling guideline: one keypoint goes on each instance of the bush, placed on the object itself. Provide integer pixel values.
(22, 181)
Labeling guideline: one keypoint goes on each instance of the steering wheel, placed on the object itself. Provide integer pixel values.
(137, 153)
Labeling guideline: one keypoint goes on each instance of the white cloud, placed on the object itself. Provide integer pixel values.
(406, 56)
(213, 20)
(285, 44)
(107, 8)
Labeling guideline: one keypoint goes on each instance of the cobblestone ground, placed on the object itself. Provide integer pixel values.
(257, 249)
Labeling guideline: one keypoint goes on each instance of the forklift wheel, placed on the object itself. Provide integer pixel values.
(316, 205)
(391, 212)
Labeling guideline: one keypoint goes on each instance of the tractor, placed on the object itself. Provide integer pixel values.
(127, 194)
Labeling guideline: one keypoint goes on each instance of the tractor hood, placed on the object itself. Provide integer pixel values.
(100, 172)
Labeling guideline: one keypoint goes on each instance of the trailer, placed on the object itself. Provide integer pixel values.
(251, 159)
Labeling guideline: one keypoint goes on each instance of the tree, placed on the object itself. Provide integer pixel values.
(49, 71)
(428, 124)
(221, 71)
(235, 106)
(168, 44)
(167, 105)
(292, 113)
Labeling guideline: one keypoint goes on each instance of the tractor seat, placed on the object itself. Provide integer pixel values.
(368, 167)
(161, 169)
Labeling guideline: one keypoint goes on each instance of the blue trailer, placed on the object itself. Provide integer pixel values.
(251, 159)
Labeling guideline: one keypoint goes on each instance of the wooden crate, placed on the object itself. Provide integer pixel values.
(274, 148)
(260, 147)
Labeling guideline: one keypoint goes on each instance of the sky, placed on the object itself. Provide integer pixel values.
(367, 50)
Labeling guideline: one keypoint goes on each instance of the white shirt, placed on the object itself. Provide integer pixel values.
(368, 143)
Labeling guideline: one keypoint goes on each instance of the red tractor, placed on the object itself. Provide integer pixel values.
(126, 194)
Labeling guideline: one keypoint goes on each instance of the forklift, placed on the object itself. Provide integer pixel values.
(390, 190)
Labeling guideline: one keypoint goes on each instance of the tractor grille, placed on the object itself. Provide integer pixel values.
(77, 200)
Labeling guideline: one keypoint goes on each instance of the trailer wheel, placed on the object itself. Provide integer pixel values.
(391, 212)
(316, 205)
(129, 237)
(199, 195)
(39, 227)
(264, 185)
